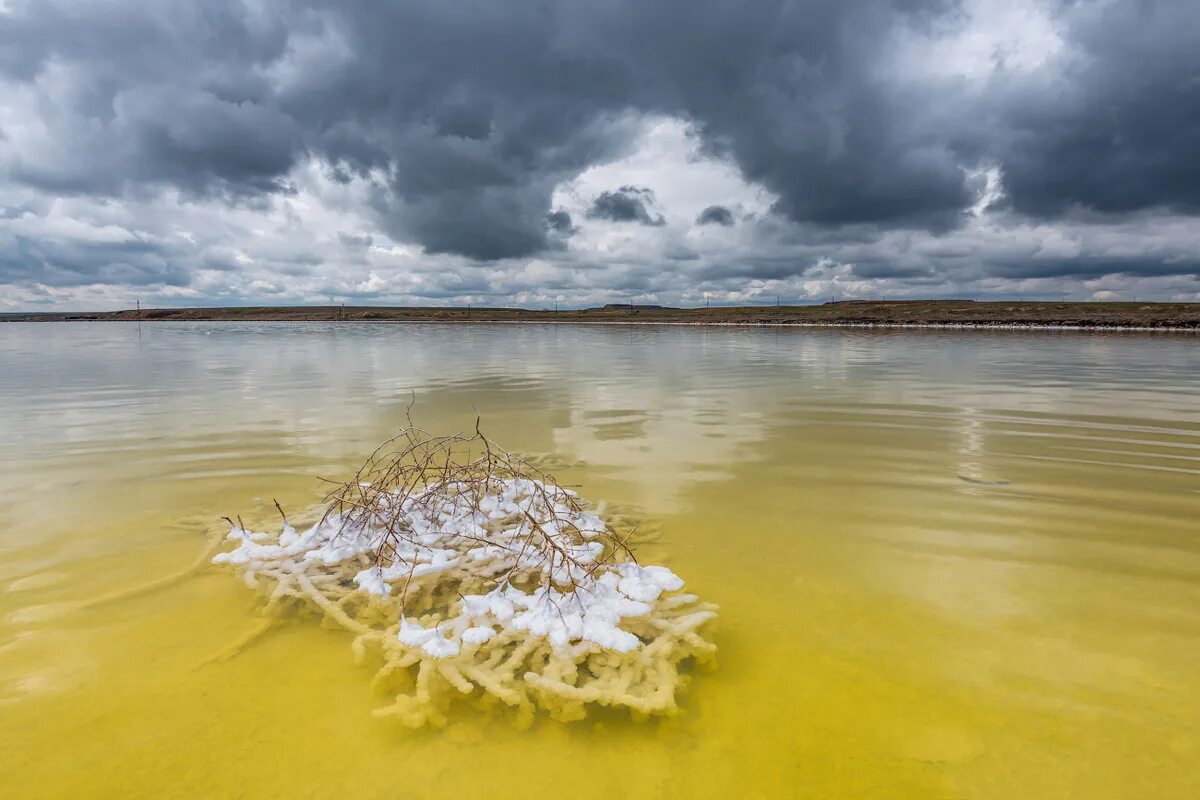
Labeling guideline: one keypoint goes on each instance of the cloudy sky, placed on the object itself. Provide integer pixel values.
(496, 152)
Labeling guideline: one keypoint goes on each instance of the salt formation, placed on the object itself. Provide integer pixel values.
(469, 572)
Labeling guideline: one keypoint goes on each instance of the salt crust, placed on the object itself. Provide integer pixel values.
(512, 596)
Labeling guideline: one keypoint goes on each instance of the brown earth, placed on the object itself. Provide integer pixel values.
(856, 312)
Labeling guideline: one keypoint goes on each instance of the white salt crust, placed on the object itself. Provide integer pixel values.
(577, 603)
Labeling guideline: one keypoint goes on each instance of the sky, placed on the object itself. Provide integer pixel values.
(580, 152)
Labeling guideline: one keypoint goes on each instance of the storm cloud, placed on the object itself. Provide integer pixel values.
(1117, 131)
(627, 204)
(152, 143)
(715, 215)
(560, 222)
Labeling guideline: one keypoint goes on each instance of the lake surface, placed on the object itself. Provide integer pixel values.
(949, 564)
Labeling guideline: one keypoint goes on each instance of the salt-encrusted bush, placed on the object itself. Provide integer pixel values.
(470, 572)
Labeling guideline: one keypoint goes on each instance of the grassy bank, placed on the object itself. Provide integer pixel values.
(865, 312)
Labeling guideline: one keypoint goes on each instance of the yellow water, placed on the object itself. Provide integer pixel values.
(949, 565)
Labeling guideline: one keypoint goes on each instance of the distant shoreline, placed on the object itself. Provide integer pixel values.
(948, 314)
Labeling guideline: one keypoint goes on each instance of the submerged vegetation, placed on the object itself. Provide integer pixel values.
(465, 571)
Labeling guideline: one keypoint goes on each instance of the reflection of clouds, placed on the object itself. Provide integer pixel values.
(664, 406)
(979, 590)
(76, 383)
(972, 432)
(972, 447)
(666, 450)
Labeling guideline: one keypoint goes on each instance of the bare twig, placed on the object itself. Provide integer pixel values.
(415, 471)
(280, 508)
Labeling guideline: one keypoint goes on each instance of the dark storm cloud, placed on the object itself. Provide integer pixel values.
(627, 204)
(1118, 132)
(873, 269)
(560, 222)
(470, 113)
(466, 115)
(715, 215)
(60, 262)
(1093, 266)
(796, 100)
(151, 97)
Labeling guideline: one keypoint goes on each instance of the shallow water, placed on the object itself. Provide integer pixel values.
(949, 564)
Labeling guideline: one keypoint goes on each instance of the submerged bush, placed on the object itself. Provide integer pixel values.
(470, 572)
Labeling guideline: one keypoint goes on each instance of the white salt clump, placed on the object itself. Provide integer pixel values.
(431, 640)
(501, 587)
(591, 611)
(477, 635)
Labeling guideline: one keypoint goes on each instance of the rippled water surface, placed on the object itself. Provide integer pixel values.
(949, 564)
